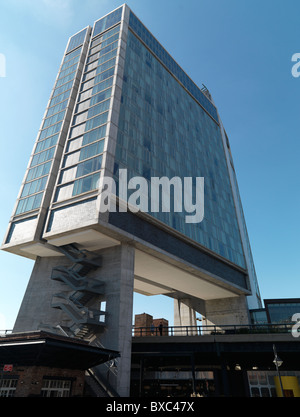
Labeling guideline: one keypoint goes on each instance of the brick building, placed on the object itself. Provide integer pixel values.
(146, 325)
(39, 364)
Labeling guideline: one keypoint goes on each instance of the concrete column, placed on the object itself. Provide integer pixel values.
(35, 308)
(184, 316)
(226, 311)
(117, 273)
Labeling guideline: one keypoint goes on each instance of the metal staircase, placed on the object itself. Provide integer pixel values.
(78, 301)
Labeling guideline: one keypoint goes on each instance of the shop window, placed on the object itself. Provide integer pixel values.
(56, 388)
(8, 387)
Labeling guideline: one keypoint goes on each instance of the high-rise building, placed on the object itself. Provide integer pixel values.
(122, 118)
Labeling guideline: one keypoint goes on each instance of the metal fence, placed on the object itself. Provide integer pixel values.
(5, 332)
(203, 330)
(212, 330)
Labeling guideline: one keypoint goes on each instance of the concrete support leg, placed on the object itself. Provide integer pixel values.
(227, 311)
(117, 273)
(184, 316)
(36, 307)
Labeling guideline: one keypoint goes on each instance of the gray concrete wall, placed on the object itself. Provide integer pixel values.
(184, 315)
(117, 275)
(35, 308)
(219, 312)
(233, 310)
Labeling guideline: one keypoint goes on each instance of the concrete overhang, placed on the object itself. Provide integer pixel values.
(154, 276)
(155, 271)
(90, 239)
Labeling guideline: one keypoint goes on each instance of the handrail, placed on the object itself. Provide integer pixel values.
(202, 330)
(5, 332)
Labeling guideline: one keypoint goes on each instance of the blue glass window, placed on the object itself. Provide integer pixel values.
(91, 150)
(47, 143)
(65, 79)
(59, 98)
(89, 166)
(50, 131)
(34, 186)
(169, 62)
(96, 121)
(163, 131)
(106, 65)
(38, 171)
(107, 21)
(94, 135)
(29, 203)
(99, 108)
(42, 157)
(53, 119)
(106, 74)
(100, 97)
(67, 71)
(101, 86)
(72, 55)
(107, 56)
(86, 184)
(70, 62)
(106, 35)
(76, 40)
(55, 109)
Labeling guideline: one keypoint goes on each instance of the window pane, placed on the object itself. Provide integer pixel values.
(107, 21)
(99, 108)
(91, 150)
(96, 121)
(86, 184)
(47, 143)
(93, 135)
(106, 74)
(50, 131)
(76, 40)
(101, 86)
(72, 55)
(89, 166)
(42, 157)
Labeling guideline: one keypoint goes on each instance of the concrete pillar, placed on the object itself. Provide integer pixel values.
(117, 273)
(184, 315)
(35, 308)
(227, 311)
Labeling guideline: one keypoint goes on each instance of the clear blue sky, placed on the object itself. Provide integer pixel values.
(241, 50)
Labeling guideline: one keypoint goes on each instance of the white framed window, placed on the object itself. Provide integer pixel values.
(56, 388)
(8, 387)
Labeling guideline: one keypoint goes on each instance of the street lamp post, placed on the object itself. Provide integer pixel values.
(278, 362)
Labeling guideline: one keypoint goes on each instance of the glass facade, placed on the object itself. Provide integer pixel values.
(82, 160)
(169, 62)
(258, 316)
(281, 311)
(167, 128)
(76, 40)
(107, 21)
(41, 161)
(163, 131)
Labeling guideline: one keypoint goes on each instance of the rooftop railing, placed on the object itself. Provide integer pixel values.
(203, 330)
(5, 332)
